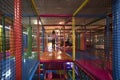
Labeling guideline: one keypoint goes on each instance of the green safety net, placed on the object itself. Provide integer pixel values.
(29, 30)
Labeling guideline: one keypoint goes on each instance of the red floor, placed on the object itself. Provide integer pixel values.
(55, 56)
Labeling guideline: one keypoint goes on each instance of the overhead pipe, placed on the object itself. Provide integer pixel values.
(80, 7)
(73, 32)
(35, 9)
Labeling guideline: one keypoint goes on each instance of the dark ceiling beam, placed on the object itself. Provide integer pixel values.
(94, 21)
(102, 17)
(68, 25)
(67, 29)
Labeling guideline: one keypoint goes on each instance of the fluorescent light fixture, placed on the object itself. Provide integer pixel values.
(35, 22)
(5, 27)
(25, 33)
(61, 22)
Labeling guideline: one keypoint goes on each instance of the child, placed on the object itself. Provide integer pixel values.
(53, 39)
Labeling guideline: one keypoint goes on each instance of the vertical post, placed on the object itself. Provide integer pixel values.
(73, 44)
(38, 46)
(116, 39)
(64, 39)
(73, 36)
(0, 43)
(107, 37)
(84, 37)
(43, 38)
(18, 37)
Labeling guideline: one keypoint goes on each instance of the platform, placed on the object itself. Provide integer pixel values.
(55, 56)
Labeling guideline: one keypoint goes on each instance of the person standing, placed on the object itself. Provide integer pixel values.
(53, 39)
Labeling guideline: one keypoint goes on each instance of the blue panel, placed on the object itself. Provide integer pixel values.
(116, 39)
(29, 67)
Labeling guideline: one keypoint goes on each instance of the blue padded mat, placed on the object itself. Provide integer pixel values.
(7, 69)
(29, 68)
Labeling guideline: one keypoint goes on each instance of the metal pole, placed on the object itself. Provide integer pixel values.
(107, 37)
(38, 45)
(43, 31)
(73, 44)
(64, 39)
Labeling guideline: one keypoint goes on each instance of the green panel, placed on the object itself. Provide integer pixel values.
(29, 30)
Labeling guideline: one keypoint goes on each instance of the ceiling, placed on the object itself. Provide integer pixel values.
(61, 7)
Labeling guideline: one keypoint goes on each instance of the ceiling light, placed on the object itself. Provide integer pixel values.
(61, 22)
(35, 22)
(5, 27)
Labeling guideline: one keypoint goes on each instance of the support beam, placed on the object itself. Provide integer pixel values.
(73, 32)
(95, 21)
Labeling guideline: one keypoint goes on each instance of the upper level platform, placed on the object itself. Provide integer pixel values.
(55, 56)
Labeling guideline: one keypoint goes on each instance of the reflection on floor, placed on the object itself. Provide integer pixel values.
(55, 55)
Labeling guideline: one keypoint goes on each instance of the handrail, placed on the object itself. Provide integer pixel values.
(73, 32)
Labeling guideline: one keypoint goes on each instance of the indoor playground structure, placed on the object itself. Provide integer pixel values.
(59, 40)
